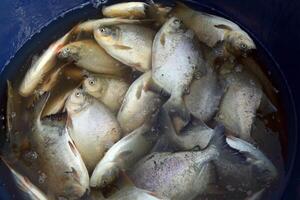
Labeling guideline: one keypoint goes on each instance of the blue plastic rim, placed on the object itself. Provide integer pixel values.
(57, 27)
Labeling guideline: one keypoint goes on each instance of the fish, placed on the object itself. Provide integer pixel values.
(130, 44)
(88, 55)
(59, 94)
(189, 138)
(214, 30)
(47, 61)
(200, 135)
(89, 25)
(240, 103)
(64, 169)
(204, 97)
(253, 66)
(123, 155)
(128, 10)
(139, 104)
(176, 57)
(107, 89)
(234, 170)
(92, 126)
(29, 190)
(138, 10)
(179, 175)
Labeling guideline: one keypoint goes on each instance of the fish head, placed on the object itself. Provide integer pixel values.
(239, 43)
(95, 86)
(70, 52)
(77, 101)
(174, 25)
(107, 35)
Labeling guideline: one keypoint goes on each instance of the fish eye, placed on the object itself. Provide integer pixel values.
(92, 82)
(105, 30)
(243, 46)
(78, 94)
(177, 22)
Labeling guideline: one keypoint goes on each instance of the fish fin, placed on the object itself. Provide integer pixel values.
(138, 93)
(40, 105)
(223, 26)
(218, 141)
(176, 108)
(125, 154)
(150, 85)
(126, 180)
(122, 47)
(9, 110)
(266, 106)
(257, 195)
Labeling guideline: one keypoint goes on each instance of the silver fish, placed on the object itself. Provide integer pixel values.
(138, 10)
(204, 97)
(88, 55)
(107, 89)
(189, 138)
(131, 10)
(200, 135)
(129, 43)
(212, 30)
(138, 105)
(239, 104)
(92, 126)
(175, 59)
(30, 191)
(122, 155)
(62, 164)
(42, 66)
(90, 25)
(181, 175)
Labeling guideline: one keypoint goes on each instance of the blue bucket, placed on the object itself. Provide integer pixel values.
(28, 27)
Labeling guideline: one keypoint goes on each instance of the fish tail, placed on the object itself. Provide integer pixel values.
(218, 142)
(175, 106)
(266, 106)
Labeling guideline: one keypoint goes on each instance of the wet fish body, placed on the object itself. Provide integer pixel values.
(123, 155)
(129, 10)
(92, 126)
(107, 89)
(129, 43)
(181, 175)
(204, 97)
(175, 59)
(61, 162)
(42, 66)
(139, 105)
(213, 30)
(88, 55)
(29, 190)
(239, 104)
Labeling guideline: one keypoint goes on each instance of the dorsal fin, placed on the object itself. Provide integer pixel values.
(224, 27)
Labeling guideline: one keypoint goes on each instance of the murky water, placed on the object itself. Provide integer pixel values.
(269, 132)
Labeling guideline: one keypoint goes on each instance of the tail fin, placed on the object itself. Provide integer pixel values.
(218, 141)
(25, 185)
(266, 106)
(175, 106)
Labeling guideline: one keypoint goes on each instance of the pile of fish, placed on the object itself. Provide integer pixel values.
(149, 102)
